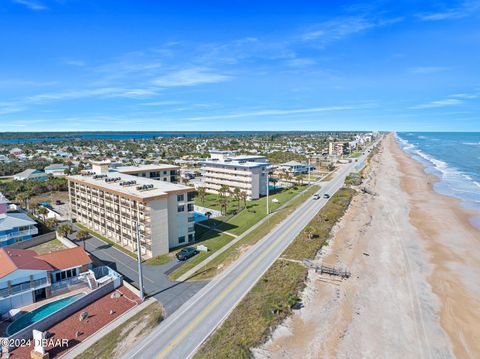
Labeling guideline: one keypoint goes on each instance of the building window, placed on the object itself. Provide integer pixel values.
(190, 237)
(190, 207)
(181, 239)
(181, 208)
(190, 196)
(180, 197)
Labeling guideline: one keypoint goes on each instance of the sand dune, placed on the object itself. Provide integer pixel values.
(414, 292)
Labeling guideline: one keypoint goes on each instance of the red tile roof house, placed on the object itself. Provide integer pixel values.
(26, 277)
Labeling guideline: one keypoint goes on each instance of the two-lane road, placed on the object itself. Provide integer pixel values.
(180, 335)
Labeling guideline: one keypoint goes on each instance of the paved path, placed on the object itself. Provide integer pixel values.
(180, 335)
(171, 294)
(207, 260)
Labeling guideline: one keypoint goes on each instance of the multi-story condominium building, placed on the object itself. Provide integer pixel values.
(114, 204)
(14, 227)
(338, 148)
(161, 172)
(249, 173)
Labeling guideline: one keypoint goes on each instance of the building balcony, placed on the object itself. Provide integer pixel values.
(28, 232)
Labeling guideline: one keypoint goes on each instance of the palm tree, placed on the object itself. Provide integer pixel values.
(244, 197)
(64, 230)
(224, 190)
(223, 203)
(301, 178)
(274, 181)
(51, 223)
(202, 191)
(82, 235)
(237, 194)
(309, 231)
(22, 197)
(42, 211)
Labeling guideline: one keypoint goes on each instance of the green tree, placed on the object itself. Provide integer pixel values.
(244, 197)
(64, 230)
(237, 194)
(51, 223)
(202, 191)
(82, 235)
(42, 211)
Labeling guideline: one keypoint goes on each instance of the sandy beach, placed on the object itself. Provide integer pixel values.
(415, 263)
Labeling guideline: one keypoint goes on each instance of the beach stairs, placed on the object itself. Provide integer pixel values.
(92, 283)
(323, 269)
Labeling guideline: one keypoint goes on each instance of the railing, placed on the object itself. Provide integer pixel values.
(26, 232)
(23, 287)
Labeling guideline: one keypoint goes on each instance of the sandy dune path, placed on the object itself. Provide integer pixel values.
(405, 246)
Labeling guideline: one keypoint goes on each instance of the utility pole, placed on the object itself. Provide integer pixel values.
(139, 259)
(268, 190)
(309, 170)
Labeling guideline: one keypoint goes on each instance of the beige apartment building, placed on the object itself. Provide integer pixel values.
(113, 203)
(161, 172)
(249, 173)
(338, 148)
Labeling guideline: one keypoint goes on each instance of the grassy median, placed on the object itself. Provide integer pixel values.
(271, 299)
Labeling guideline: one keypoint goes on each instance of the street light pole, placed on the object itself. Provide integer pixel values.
(308, 170)
(139, 259)
(268, 190)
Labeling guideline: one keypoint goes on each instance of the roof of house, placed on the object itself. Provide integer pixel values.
(31, 173)
(14, 259)
(292, 163)
(15, 220)
(66, 258)
(141, 168)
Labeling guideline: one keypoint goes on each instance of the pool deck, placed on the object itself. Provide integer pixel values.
(28, 308)
(99, 316)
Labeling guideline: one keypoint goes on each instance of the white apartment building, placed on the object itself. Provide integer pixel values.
(113, 203)
(249, 173)
(161, 172)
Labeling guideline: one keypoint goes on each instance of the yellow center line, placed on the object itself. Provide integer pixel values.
(226, 291)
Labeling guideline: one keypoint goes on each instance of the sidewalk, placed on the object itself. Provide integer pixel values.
(207, 260)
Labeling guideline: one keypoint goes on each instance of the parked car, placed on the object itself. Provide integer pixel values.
(326, 195)
(316, 196)
(58, 202)
(186, 253)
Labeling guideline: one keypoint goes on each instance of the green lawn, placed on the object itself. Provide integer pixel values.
(270, 301)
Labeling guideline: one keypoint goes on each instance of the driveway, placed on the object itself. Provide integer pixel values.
(156, 284)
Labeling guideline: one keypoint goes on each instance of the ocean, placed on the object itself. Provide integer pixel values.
(454, 157)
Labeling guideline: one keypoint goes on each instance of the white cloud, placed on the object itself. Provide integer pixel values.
(189, 77)
(464, 9)
(31, 4)
(425, 70)
(272, 112)
(439, 103)
(78, 63)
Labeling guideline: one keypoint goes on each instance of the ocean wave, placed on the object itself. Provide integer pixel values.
(453, 182)
(471, 143)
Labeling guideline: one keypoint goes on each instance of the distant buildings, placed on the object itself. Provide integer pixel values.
(248, 173)
(14, 227)
(295, 168)
(26, 277)
(338, 148)
(56, 169)
(161, 172)
(31, 174)
(113, 203)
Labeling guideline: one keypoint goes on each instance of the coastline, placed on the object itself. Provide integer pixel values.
(415, 259)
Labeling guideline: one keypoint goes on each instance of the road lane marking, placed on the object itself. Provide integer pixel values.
(230, 287)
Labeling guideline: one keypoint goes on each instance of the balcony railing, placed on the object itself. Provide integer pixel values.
(23, 287)
(27, 232)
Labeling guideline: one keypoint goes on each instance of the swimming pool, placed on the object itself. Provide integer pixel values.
(199, 217)
(40, 313)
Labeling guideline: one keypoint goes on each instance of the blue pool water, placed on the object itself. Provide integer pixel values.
(40, 313)
(199, 217)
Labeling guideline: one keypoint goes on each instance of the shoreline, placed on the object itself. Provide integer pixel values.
(414, 290)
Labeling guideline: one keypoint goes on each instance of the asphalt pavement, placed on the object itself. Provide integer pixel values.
(181, 334)
(155, 281)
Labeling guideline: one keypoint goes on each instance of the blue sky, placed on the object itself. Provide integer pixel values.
(239, 65)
